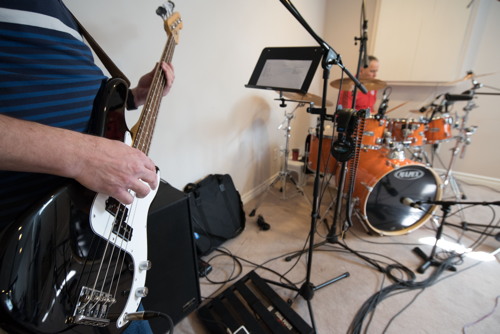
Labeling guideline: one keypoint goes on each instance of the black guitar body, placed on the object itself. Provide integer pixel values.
(55, 260)
(45, 259)
(49, 253)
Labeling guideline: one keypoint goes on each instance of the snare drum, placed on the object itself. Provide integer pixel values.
(407, 131)
(328, 162)
(373, 133)
(380, 185)
(439, 129)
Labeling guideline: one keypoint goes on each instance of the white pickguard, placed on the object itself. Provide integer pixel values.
(101, 222)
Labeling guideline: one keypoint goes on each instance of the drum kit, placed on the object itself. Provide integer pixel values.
(386, 174)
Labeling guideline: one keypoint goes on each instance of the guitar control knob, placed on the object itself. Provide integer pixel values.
(145, 265)
(141, 292)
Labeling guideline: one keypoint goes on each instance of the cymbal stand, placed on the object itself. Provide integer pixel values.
(461, 141)
(284, 176)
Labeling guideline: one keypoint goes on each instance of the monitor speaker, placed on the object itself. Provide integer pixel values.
(173, 278)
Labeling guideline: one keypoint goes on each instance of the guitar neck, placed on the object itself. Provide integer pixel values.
(149, 115)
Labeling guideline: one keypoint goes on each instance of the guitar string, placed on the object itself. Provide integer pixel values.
(145, 131)
(121, 219)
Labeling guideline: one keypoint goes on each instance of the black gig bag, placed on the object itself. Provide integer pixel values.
(216, 211)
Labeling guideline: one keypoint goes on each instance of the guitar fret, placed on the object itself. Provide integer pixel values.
(151, 107)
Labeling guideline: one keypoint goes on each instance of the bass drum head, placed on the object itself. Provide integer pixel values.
(381, 183)
(384, 210)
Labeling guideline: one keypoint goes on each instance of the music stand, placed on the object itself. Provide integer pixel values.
(329, 57)
(286, 69)
(282, 69)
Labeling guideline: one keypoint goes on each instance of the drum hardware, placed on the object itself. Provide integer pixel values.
(461, 141)
(418, 154)
(364, 184)
(396, 153)
(284, 176)
(305, 98)
(382, 109)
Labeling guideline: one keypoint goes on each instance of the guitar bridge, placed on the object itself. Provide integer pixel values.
(92, 308)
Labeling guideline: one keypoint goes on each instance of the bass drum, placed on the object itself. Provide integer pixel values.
(380, 185)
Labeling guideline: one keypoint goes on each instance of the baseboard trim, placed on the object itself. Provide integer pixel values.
(474, 179)
(253, 193)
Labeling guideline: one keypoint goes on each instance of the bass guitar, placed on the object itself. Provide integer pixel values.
(77, 262)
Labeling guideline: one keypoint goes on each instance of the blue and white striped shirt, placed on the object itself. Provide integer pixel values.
(47, 75)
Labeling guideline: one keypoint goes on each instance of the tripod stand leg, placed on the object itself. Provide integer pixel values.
(262, 197)
(430, 260)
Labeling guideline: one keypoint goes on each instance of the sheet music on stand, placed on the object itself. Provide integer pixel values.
(288, 69)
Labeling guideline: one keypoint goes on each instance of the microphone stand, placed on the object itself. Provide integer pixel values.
(330, 57)
(362, 58)
(445, 208)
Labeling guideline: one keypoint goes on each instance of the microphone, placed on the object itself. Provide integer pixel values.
(458, 97)
(384, 104)
(409, 202)
(365, 38)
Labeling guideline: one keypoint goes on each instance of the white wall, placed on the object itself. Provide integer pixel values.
(209, 123)
(481, 157)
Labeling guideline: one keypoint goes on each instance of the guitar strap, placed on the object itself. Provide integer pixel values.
(107, 62)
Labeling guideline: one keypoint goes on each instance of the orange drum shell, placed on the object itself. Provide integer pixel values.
(416, 135)
(438, 130)
(373, 167)
(328, 162)
(373, 133)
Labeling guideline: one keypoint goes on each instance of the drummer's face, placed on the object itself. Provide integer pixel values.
(370, 72)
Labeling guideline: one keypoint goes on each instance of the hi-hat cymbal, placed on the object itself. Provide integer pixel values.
(308, 97)
(348, 84)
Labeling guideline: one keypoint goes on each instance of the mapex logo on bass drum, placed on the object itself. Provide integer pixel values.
(409, 174)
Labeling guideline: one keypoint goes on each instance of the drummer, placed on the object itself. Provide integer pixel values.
(363, 100)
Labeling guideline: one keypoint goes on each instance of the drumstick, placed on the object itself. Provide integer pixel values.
(396, 107)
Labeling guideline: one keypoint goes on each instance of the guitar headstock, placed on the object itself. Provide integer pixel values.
(172, 21)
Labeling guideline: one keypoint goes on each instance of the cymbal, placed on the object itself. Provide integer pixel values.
(468, 76)
(308, 97)
(348, 84)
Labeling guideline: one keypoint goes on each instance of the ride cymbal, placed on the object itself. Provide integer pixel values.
(308, 97)
(348, 84)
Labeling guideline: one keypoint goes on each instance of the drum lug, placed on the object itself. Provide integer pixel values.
(364, 221)
(367, 186)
